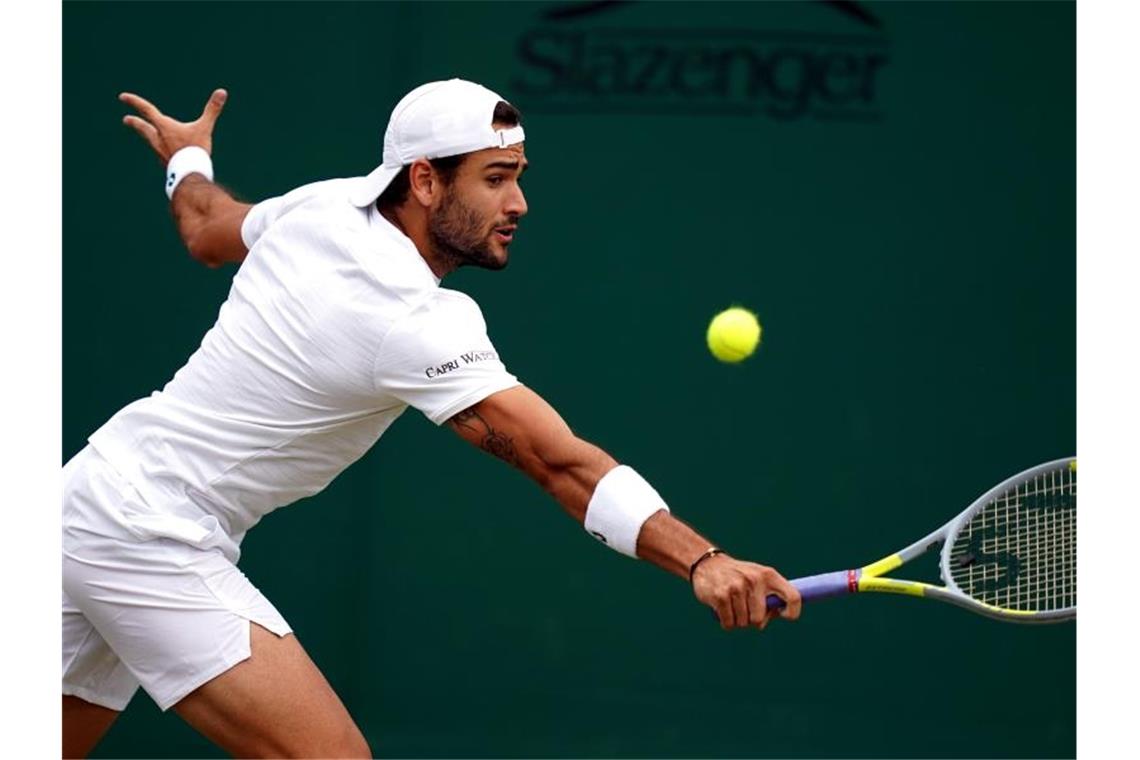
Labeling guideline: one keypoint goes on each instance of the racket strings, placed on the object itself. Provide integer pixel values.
(1019, 550)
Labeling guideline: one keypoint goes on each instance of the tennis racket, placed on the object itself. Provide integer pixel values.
(1011, 555)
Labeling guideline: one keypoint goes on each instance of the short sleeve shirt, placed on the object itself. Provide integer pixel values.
(333, 326)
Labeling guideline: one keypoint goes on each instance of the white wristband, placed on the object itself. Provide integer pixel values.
(187, 161)
(621, 504)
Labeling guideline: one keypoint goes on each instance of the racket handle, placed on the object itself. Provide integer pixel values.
(822, 586)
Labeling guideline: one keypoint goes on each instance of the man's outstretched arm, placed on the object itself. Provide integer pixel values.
(519, 427)
(208, 218)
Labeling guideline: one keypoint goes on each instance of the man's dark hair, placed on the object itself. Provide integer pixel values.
(397, 191)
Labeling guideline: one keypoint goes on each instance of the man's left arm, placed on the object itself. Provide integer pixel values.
(522, 429)
(209, 219)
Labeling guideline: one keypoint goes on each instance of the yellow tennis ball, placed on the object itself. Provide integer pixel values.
(733, 334)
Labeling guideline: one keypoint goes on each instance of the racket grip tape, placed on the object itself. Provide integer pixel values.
(822, 586)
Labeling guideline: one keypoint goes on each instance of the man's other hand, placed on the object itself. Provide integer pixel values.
(166, 135)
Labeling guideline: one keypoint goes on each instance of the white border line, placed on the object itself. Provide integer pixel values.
(30, 54)
(1107, 379)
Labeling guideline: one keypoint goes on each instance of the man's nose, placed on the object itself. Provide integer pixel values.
(516, 203)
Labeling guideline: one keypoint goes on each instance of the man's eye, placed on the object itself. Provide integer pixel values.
(495, 181)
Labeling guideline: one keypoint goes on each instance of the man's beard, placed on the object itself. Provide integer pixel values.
(458, 235)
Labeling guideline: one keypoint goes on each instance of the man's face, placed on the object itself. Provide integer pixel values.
(475, 220)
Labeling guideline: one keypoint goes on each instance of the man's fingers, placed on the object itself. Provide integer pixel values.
(740, 610)
(214, 107)
(758, 605)
(142, 105)
(740, 596)
(724, 613)
(146, 129)
(791, 596)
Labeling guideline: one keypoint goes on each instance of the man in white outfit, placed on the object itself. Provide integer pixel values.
(336, 323)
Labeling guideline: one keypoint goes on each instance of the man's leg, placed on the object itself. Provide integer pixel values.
(84, 724)
(274, 704)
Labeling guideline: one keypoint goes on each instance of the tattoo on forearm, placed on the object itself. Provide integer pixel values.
(491, 440)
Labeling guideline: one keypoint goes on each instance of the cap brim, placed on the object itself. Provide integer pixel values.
(368, 188)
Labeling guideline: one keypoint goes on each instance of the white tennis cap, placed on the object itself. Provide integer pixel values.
(435, 120)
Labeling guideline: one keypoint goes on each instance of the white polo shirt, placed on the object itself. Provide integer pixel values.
(333, 326)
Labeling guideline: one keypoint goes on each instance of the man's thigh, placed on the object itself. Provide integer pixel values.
(274, 704)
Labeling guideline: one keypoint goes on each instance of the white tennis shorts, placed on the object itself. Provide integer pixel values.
(140, 607)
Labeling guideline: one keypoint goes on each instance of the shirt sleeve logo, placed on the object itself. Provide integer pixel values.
(470, 357)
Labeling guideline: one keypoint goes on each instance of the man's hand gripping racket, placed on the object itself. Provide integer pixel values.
(737, 590)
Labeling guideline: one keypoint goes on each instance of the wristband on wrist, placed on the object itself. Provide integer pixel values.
(621, 504)
(187, 161)
(712, 552)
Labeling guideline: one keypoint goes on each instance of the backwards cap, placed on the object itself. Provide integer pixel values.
(435, 120)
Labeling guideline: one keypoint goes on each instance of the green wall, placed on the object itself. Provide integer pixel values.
(894, 195)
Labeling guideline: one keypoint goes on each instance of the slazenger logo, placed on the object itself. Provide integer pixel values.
(471, 357)
(780, 74)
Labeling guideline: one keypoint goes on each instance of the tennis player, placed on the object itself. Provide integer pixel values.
(335, 324)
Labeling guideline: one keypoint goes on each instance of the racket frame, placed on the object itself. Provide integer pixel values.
(869, 578)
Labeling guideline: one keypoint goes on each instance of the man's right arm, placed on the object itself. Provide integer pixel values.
(519, 427)
(209, 219)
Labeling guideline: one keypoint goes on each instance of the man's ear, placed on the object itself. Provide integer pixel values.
(423, 182)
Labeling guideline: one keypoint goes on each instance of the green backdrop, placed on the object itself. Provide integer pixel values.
(891, 187)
